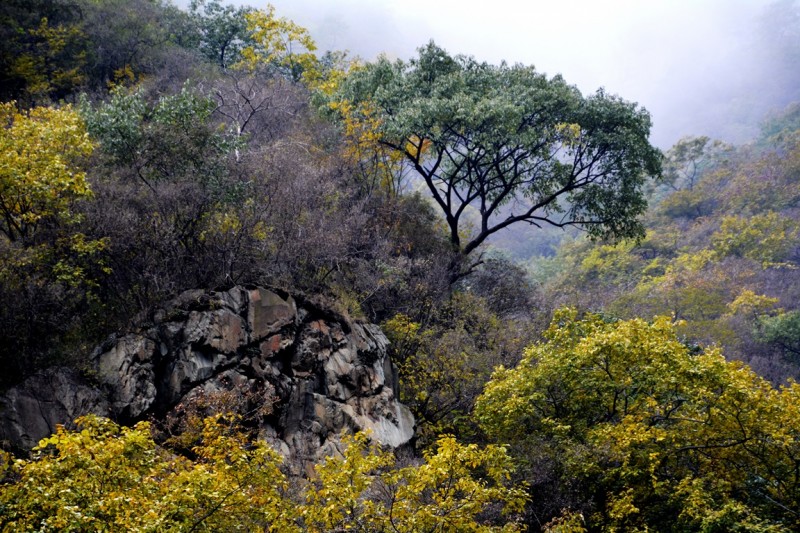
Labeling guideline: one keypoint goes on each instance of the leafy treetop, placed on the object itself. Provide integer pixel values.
(509, 143)
(39, 177)
(652, 429)
(279, 43)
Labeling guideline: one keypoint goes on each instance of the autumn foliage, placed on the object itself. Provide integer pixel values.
(105, 477)
(146, 150)
(650, 429)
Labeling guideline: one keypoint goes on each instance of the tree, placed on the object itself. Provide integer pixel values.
(783, 331)
(171, 139)
(451, 491)
(507, 145)
(256, 107)
(687, 161)
(279, 44)
(222, 30)
(655, 435)
(769, 237)
(166, 198)
(445, 359)
(127, 39)
(39, 177)
(104, 477)
(48, 267)
(42, 50)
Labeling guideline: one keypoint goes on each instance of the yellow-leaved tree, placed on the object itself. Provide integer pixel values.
(377, 167)
(456, 489)
(103, 477)
(45, 261)
(279, 43)
(648, 433)
(39, 178)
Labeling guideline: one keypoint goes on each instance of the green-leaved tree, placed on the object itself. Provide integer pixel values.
(505, 144)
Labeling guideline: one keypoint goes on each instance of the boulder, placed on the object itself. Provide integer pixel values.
(324, 374)
(33, 410)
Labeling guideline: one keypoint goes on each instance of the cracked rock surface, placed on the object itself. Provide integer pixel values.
(325, 374)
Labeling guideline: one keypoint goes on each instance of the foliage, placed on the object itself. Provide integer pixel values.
(506, 288)
(649, 429)
(247, 189)
(51, 49)
(762, 181)
(752, 304)
(441, 494)
(444, 361)
(53, 65)
(729, 228)
(181, 429)
(280, 44)
(49, 268)
(689, 288)
(42, 50)
(127, 39)
(170, 139)
(481, 135)
(781, 330)
(768, 238)
(690, 158)
(39, 176)
(164, 194)
(222, 31)
(102, 476)
(231, 178)
(50, 293)
(777, 128)
(379, 167)
(609, 264)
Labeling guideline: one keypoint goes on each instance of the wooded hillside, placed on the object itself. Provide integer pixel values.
(629, 368)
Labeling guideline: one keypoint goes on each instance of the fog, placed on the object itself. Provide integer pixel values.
(701, 67)
(697, 66)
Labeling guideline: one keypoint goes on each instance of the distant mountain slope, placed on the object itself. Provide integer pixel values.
(722, 251)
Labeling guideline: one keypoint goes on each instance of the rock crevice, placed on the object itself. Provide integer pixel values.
(326, 374)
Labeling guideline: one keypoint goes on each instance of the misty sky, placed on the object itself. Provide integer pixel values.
(689, 62)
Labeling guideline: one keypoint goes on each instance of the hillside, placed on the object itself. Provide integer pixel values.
(247, 284)
(721, 252)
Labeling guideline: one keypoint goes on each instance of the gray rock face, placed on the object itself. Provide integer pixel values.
(32, 410)
(327, 374)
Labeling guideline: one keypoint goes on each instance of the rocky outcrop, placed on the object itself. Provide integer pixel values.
(32, 410)
(322, 373)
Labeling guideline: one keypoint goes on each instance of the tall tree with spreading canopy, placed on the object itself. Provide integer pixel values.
(506, 145)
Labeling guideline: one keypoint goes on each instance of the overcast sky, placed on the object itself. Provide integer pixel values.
(686, 61)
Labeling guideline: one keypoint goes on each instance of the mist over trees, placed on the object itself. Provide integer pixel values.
(711, 68)
(481, 137)
(633, 371)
